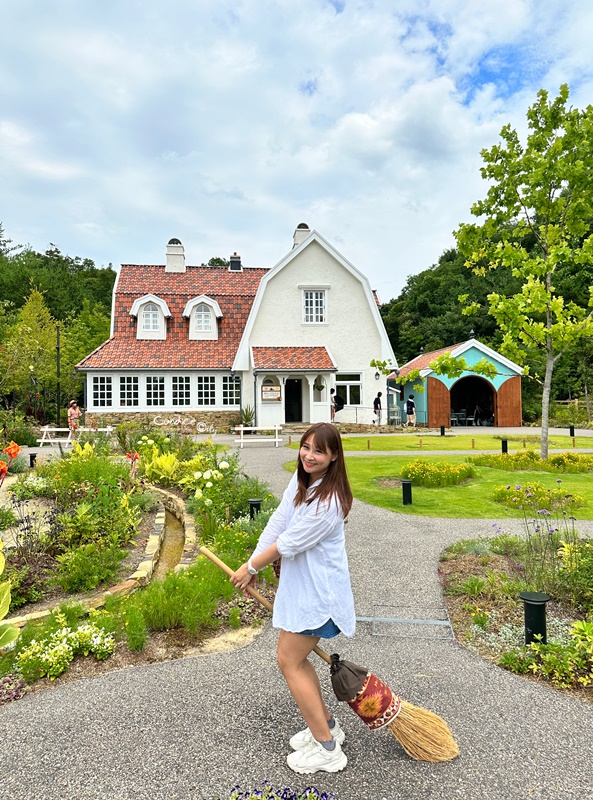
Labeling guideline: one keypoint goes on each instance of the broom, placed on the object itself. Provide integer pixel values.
(423, 735)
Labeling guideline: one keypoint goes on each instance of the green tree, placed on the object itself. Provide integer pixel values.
(29, 351)
(82, 334)
(535, 222)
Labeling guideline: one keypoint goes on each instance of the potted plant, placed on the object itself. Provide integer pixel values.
(247, 416)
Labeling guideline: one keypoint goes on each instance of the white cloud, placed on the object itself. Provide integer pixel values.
(227, 123)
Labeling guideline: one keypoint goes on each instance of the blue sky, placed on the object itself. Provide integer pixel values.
(127, 122)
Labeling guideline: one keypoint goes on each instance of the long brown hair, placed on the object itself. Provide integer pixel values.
(335, 481)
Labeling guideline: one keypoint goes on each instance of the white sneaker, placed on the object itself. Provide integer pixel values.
(315, 758)
(305, 737)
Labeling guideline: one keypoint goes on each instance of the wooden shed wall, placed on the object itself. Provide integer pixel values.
(509, 412)
(439, 403)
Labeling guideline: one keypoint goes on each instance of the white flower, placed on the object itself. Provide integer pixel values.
(224, 465)
(208, 501)
(150, 441)
(207, 474)
(197, 475)
(209, 485)
(198, 494)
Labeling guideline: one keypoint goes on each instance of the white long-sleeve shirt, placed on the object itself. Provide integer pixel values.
(314, 580)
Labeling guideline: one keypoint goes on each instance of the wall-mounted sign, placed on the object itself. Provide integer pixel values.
(271, 393)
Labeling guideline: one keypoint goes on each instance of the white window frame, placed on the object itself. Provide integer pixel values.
(349, 382)
(102, 391)
(180, 390)
(231, 390)
(157, 401)
(129, 391)
(203, 318)
(314, 305)
(206, 395)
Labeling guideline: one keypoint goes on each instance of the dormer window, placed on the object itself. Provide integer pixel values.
(202, 318)
(203, 313)
(151, 313)
(150, 317)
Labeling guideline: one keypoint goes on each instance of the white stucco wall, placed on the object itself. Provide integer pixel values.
(351, 334)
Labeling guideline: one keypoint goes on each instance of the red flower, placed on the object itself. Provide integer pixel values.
(133, 457)
(3, 470)
(12, 450)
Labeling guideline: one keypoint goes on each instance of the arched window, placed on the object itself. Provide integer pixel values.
(203, 318)
(150, 317)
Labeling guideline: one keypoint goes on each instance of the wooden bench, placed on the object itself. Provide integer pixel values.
(54, 435)
(254, 434)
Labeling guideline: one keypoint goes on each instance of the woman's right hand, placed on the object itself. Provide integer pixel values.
(241, 578)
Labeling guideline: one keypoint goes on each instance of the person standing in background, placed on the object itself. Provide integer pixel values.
(377, 407)
(411, 410)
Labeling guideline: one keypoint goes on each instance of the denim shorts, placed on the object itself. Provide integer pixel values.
(328, 630)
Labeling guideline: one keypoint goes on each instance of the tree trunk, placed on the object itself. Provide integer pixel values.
(546, 402)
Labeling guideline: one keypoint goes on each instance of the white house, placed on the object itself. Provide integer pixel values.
(205, 342)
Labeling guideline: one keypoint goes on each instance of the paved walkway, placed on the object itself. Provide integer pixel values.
(193, 728)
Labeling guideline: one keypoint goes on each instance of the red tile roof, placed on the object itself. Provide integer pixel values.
(233, 291)
(301, 358)
(423, 360)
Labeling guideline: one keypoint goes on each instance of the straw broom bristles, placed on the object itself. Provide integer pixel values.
(423, 735)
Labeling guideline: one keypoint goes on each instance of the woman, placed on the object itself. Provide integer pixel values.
(314, 597)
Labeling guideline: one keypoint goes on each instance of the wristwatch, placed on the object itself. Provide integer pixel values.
(250, 568)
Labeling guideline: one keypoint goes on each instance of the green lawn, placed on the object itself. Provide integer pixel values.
(473, 499)
(432, 440)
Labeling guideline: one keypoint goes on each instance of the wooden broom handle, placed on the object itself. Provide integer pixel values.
(256, 595)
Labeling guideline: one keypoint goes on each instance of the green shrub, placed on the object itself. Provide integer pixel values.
(531, 460)
(564, 665)
(31, 485)
(27, 584)
(476, 547)
(536, 496)
(85, 567)
(7, 518)
(438, 473)
(51, 654)
(507, 545)
(20, 433)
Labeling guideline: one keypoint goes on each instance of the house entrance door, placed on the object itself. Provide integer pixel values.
(293, 403)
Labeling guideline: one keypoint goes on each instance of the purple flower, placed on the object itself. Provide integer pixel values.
(558, 480)
(517, 487)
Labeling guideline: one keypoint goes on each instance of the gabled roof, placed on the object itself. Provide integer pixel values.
(422, 362)
(292, 358)
(242, 359)
(233, 291)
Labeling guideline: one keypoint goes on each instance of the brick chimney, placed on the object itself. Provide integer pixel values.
(175, 256)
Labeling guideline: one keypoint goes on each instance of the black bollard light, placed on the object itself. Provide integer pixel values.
(254, 506)
(32, 459)
(442, 430)
(534, 604)
(407, 491)
(505, 446)
(571, 430)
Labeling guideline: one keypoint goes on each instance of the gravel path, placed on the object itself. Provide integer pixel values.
(193, 728)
